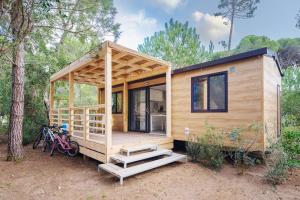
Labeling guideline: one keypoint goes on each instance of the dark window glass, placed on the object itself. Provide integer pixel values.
(217, 90)
(209, 93)
(199, 98)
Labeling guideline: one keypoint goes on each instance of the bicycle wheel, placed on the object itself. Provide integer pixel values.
(74, 148)
(44, 146)
(60, 149)
(54, 147)
(36, 142)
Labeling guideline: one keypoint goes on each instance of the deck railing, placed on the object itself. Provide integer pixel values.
(86, 123)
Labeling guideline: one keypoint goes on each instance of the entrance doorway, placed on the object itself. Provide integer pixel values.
(147, 109)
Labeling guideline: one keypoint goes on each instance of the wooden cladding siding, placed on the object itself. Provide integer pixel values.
(117, 119)
(272, 82)
(245, 100)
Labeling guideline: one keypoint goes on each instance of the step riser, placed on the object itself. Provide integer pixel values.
(139, 157)
(138, 148)
(123, 173)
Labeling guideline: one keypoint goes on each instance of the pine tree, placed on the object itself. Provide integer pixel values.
(236, 9)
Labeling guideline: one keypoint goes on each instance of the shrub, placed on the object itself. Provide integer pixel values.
(290, 141)
(207, 149)
(277, 164)
(240, 154)
(193, 148)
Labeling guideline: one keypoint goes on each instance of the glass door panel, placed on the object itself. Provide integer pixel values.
(138, 110)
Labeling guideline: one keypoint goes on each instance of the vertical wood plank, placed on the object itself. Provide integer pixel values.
(168, 103)
(125, 107)
(51, 96)
(71, 101)
(108, 96)
(99, 96)
(86, 123)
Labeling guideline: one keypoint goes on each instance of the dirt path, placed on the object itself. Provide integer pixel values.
(43, 177)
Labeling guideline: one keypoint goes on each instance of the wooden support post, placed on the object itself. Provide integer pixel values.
(108, 96)
(51, 97)
(59, 117)
(168, 102)
(86, 123)
(125, 107)
(71, 102)
(99, 96)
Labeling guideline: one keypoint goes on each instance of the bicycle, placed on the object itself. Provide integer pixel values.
(49, 137)
(41, 136)
(64, 145)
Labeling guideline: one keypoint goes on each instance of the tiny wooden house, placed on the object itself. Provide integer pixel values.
(142, 101)
(231, 92)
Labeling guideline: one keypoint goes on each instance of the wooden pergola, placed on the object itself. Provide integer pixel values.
(107, 66)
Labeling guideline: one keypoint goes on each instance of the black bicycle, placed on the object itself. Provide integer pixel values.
(41, 136)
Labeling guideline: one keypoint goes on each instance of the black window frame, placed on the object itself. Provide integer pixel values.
(207, 76)
(116, 110)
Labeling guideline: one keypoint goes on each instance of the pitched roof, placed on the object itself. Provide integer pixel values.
(228, 59)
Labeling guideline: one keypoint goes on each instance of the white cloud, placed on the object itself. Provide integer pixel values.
(169, 4)
(135, 27)
(211, 27)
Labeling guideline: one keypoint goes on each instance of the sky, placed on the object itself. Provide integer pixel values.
(142, 18)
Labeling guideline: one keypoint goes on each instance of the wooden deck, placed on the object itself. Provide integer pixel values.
(95, 148)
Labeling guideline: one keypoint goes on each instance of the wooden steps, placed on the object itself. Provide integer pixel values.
(123, 172)
(138, 157)
(129, 150)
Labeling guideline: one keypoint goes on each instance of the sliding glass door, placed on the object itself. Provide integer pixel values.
(138, 110)
(147, 109)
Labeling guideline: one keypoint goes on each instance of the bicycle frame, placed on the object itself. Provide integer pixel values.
(62, 142)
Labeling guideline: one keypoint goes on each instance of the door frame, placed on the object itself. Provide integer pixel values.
(147, 113)
(147, 89)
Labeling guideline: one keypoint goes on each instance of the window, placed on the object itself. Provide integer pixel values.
(209, 93)
(117, 102)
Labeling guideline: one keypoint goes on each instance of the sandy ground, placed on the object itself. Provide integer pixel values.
(40, 176)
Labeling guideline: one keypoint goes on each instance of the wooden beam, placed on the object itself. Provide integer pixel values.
(119, 55)
(168, 102)
(76, 65)
(136, 53)
(71, 101)
(125, 107)
(51, 97)
(99, 96)
(94, 66)
(131, 62)
(108, 96)
(159, 70)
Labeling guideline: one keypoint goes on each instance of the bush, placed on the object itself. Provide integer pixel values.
(207, 149)
(277, 164)
(193, 149)
(240, 154)
(290, 140)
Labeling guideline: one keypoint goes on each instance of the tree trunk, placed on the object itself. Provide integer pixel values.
(231, 26)
(15, 134)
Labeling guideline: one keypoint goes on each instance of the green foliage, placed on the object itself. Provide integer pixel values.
(290, 140)
(193, 148)
(207, 149)
(284, 155)
(291, 97)
(251, 42)
(178, 43)
(277, 165)
(242, 146)
(63, 32)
